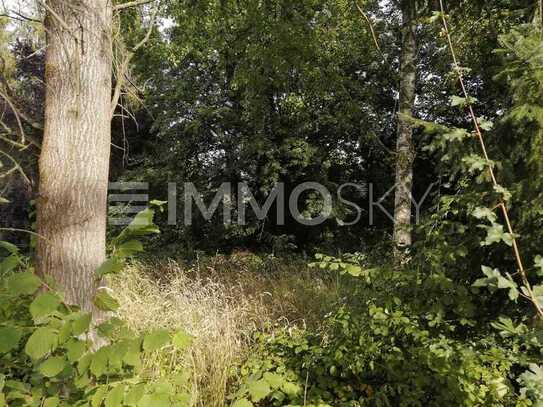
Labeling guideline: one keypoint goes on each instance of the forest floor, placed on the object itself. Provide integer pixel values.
(222, 302)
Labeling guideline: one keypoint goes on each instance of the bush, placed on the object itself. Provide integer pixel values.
(390, 349)
(48, 356)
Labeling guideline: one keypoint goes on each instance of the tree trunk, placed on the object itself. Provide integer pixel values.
(404, 149)
(74, 162)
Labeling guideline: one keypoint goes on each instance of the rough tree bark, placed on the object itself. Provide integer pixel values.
(404, 149)
(74, 162)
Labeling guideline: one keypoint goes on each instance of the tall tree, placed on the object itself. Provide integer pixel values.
(74, 162)
(404, 149)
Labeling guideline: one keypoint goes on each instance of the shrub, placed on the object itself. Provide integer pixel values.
(48, 356)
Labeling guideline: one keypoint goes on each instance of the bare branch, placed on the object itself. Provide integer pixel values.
(59, 19)
(124, 64)
(17, 166)
(136, 3)
(7, 94)
(376, 42)
(17, 116)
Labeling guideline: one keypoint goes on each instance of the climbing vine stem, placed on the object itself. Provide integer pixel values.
(516, 250)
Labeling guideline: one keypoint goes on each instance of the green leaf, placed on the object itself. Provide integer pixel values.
(98, 364)
(291, 389)
(181, 340)
(110, 266)
(105, 302)
(135, 394)
(507, 328)
(475, 163)
(436, 15)
(496, 234)
(9, 263)
(84, 363)
(456, 134)
(156, 340)
(495, 280)
(353, 270)
(485, 213)
(10, 247)
(157, 203)
(98, 396)
(129, 249)
(141, 225)
(9, 338)
(51, 402)
(133, 354)
(485, 124)
(115, 397)
(155, 400)
(537, 290)
(532, 378)
(462, 101)
(506, 195)
(52, 366)
(458, 101)
(43, 341)
(44, 305)
(75, 349)
(274, 380)
(258, 389)
(80, 323)
(23, 283)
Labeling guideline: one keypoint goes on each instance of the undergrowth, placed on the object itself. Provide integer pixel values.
(221, 302)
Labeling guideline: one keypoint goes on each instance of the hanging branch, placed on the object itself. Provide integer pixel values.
(370, 24)
(136, 3)
(516, 251)
(123, 67)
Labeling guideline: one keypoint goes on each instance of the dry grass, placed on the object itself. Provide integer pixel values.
(221, 303)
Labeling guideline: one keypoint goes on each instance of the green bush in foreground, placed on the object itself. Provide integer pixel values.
(51, 353)
(47, 356)
(395, 349)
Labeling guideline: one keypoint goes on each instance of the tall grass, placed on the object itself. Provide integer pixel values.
(221, 302)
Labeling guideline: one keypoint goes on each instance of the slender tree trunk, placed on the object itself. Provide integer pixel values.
(404, 149)
(74, 161)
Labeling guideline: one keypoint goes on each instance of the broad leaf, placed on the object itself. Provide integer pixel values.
(23, 283)
(156, 340)
(43, 341)
(44, 305)
(9, 338)
(105, 302)
(52, 366)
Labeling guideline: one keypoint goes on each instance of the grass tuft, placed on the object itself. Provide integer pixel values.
(221, 302)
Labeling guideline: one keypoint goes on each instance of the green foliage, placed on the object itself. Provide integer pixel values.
(48, 350)
(126, 245)
(48, 356)
(350, 264)
(12, 260)
(494, 281)
(384, 357)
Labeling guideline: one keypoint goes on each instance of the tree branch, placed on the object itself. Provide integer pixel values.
(373, 34)
(136, 3)
(124, 64)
